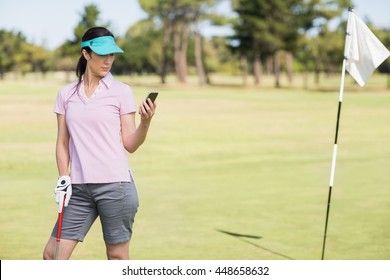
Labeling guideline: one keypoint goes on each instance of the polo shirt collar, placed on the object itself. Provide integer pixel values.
(106, 80)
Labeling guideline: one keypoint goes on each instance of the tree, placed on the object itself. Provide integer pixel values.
(268, 28)
(315, 52)
(37, 57)
(142, 52)
(262, 29)
(12, 57)
(176, 18)
(204, 13)
(69, 52)
(19, 56)
(168, 15)
(384, 36)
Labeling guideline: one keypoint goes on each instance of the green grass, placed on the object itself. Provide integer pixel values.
(226, 172)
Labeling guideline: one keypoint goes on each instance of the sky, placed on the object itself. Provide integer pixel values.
(49, 22)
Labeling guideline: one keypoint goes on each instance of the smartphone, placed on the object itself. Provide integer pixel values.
(152, 96)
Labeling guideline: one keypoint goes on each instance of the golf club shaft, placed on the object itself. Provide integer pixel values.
(59, 229)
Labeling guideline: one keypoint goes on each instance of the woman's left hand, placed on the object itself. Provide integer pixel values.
(146, 110)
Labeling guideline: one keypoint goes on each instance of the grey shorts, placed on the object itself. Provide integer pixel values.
(115, 203)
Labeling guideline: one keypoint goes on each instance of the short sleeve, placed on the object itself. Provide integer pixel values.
(127, 100)
(59, 106)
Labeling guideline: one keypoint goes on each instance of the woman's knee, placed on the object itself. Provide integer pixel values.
(47, 256)
(49, 251)
(118, 251)
(65, 249)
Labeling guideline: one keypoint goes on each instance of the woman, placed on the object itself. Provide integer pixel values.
(96, 124)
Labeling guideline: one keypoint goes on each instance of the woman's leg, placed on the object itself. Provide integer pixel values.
(66, 248)
(117, 204)
(78, 218)
(117, 251)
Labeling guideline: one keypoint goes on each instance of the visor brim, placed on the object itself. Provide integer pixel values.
(104, 50)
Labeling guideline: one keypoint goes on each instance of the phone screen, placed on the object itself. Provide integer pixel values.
(152, 96)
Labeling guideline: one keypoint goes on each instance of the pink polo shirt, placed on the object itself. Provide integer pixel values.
(96, 151)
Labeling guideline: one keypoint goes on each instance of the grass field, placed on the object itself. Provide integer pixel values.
(226, 172)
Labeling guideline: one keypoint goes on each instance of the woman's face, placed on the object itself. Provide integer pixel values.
(99, 65)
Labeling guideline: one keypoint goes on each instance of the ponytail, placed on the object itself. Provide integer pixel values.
(81, 66)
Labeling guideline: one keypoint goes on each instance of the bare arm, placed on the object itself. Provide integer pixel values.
(133, 136)
(62, 146)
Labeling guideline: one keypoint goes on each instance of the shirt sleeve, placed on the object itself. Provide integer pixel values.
(59, 105)
(128, 104)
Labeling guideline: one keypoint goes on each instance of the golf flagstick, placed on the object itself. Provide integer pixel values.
(363, 53)
(333, 168)
(59, 228)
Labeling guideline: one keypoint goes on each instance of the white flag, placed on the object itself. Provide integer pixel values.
(364, 51)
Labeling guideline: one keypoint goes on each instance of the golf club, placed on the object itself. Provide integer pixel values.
(59, 228)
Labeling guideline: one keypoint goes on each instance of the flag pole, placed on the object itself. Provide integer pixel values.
(333, 168)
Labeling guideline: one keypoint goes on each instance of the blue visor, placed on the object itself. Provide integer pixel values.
(102, 45)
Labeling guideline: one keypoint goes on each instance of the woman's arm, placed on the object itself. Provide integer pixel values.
(62, 146)
(132, 136)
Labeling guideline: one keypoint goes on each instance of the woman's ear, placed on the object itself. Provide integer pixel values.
(86, 54)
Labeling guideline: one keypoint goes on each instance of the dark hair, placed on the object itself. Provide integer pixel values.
(90, 34)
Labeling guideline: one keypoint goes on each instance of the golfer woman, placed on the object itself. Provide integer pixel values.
(96, 126)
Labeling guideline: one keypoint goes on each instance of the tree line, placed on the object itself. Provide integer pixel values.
(269, 37)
